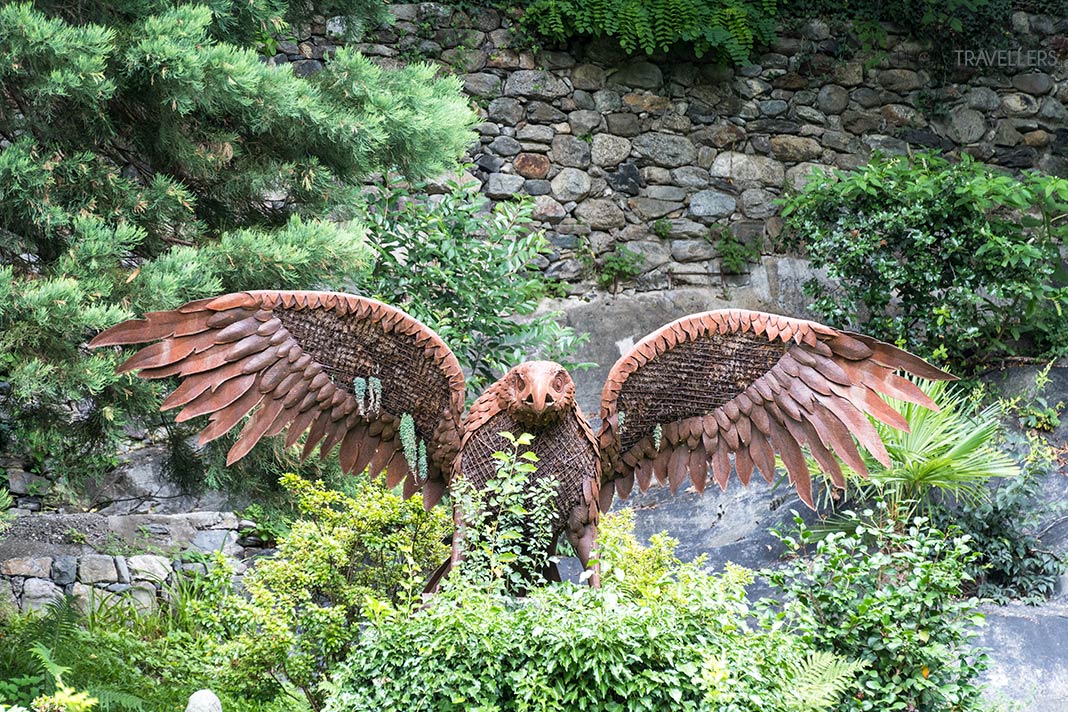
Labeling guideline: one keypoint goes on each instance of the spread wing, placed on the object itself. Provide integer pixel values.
(748, 384)
(348, 370)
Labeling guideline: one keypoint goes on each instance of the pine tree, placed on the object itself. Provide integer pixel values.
(149, 157)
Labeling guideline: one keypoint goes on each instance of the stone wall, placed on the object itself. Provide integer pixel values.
(93, 557)
(664, 156)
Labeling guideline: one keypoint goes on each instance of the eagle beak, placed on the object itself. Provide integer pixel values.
(541, 397)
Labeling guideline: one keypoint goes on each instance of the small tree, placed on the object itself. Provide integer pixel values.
(468, 270)
(149, 157)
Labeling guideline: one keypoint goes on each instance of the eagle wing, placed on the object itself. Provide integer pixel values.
(748, 384)
(346, 369)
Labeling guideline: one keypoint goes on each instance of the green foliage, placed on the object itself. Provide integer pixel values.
(508, 525)
(725, 30)
(149, 661)
(1012, 562)
(467, 271)
(270, 524)
(735, 255)
(301, 608)
(1031, 409)
(63, 698)
(680, 639)
(954, 260)
(957, 23)
(891, 599)
(620, 265)
(149, 157)
(950, 452)
(960, 467)
(6, 502)
(279, 637)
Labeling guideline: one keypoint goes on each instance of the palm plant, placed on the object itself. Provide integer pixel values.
(948, 453)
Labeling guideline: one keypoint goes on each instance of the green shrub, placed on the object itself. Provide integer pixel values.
(950, 453)
(957, 23)
(467, 271)
(622, 264)
(1012, 562)
(891, 599)
(6, 502)
(263, 648)
(726, 30)
(972, 477)
(507, 530)
(302, 607)
(955, 261)
(128, 662)
(674, 638)
(735, 255)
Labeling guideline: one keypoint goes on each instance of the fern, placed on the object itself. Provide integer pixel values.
(110, 699)
(728, 29)
(54, 670)
(819, 681)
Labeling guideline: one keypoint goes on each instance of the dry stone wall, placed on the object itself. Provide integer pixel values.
(132, 559)
(665, 156)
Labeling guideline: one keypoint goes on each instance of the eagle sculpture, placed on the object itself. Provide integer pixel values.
(366, 378)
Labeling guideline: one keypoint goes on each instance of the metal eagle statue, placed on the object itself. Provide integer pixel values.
(385, 391)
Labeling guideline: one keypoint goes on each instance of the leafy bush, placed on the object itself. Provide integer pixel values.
(6, 502)
(957, 23)
(724, 29)
(676, 638)
(891, 599)
(467, 271)
(302, 607)
(259, 647)
(148, 661)
(149, 157)
(620, 265)
(735, 255)
(972, 477)
(1012, 562)
(955, 261)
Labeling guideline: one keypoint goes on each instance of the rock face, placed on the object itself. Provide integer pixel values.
(1028, 648)
(30, 580)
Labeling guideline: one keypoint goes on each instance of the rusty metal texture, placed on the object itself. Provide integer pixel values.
(744, 385)
(701, 397)
(341, 368)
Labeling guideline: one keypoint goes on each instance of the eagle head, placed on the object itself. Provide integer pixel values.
(538, 392)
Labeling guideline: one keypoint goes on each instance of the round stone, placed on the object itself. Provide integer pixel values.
(711, 204)
(666, 149)
(832, 99)
(531, 165)
(609, 150)
(966, 125)
(600, 214)
(571, 184)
